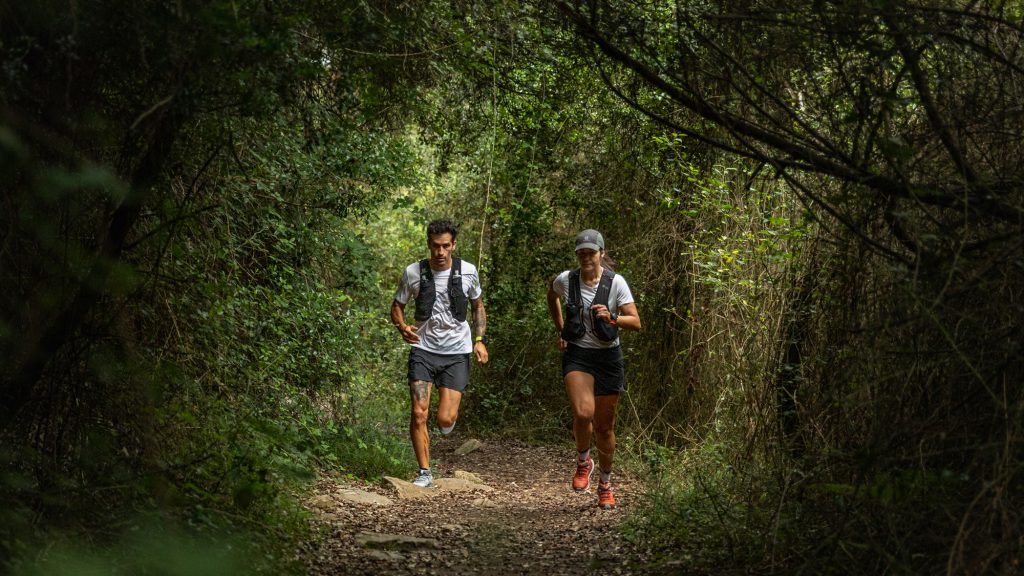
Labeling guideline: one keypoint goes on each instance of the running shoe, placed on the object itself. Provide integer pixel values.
(448, 430)
(424, 480)
(584, 469)
(605, 498)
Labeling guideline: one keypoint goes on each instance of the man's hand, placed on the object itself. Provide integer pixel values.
(408, 332)
(480, 349)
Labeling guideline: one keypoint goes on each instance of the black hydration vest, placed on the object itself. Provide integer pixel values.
(573, 329)
(428, 293)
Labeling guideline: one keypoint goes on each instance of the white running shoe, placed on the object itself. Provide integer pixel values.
(424, 480)
(448, 430)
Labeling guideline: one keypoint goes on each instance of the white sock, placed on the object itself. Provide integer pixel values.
(606, 476)
(584, 455)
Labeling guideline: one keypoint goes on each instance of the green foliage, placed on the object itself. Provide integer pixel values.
(183, 182)
(703, 512)
(147, 545)
(713, 502)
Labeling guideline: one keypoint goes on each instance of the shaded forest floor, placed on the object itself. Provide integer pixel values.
(531, 522)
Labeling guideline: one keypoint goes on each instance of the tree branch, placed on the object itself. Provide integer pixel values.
(913, 59)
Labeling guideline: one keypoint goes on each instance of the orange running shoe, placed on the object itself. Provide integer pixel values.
(581, 480)
(605, 498)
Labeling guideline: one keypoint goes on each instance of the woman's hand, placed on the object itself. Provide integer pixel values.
(602, 313)
(562, 344)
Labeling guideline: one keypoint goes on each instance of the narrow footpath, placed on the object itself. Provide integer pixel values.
(501, 508)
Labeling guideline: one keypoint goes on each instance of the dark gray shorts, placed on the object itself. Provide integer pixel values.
(604, 364)
(444, 370)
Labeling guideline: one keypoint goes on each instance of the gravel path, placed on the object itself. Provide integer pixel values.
(530, 523)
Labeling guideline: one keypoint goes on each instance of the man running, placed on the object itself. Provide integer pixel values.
(441, 338)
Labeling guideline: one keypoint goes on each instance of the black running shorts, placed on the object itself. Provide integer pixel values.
(604, 364)
(444, 370)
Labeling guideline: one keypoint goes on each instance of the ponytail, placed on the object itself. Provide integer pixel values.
(607, 262)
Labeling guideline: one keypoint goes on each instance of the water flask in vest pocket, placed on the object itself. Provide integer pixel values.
(573, 329)
(604, 331)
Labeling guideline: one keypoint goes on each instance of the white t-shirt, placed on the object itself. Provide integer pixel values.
(619, 296)
(441, 333)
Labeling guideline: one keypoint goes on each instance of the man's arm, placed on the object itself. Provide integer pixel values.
(407, 331)
(479, 329)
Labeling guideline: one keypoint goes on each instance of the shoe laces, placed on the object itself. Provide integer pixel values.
(583, 468)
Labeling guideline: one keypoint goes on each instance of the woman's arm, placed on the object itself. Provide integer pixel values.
(555, 310)
(555, 306)
(629, 318)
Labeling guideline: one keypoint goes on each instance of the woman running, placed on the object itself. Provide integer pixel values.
(598, 304)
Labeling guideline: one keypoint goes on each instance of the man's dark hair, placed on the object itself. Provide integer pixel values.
(441, 226)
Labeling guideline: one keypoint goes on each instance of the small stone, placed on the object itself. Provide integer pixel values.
(379, 541)
(468, 446)
(384, 555)
(322, 501)
(468, 476)
(362, 497)
(459, 485)
(408, 490)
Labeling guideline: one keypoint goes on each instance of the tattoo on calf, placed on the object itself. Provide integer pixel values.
(419, 389)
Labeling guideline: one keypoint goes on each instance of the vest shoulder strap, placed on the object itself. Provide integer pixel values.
(456, 295)
(455, 291)
(425, 296)
(604, 288)
(425, 271)
(573, 293)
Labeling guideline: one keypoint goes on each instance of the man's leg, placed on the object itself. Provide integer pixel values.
(419, 392)
(448, 401)
(451, 382)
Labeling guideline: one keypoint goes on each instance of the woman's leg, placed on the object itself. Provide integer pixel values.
(604, 429)
(579, 386)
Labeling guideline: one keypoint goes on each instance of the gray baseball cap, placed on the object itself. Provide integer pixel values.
(591, 239)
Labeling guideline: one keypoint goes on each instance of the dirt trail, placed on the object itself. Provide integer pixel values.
(530, 523)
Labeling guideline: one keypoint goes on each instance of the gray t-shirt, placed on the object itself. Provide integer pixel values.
(441, 333)
(618, 296)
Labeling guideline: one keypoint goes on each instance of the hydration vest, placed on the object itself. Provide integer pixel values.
(428, 292)
(574, 328)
